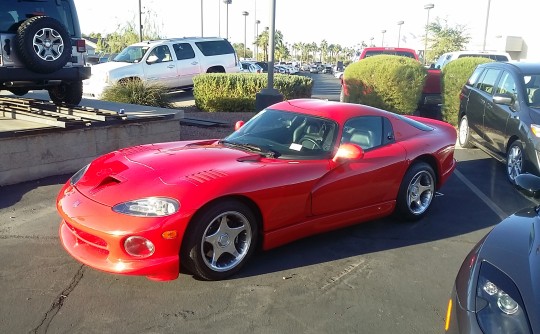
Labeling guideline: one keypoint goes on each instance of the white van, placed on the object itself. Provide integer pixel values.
(170, 62)
(449, 56)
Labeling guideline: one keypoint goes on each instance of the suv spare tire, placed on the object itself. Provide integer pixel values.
(43, 44)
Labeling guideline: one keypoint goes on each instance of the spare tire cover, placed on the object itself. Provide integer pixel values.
(43, 44)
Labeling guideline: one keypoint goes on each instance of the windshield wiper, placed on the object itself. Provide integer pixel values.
(253, 148)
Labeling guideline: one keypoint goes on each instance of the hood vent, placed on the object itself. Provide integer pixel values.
(106, 182)
(202, 177)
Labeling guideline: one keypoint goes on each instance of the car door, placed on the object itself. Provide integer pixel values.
(187, 63)
(494, 120)
(160, 68)
(367, 182)
(497, 115)
(480, 94)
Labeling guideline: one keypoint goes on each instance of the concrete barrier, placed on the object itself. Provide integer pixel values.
(36, 154)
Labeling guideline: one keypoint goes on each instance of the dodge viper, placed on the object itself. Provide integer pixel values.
(295, 169)
(496, 290)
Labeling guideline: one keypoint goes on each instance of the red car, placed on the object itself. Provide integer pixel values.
(297, 168)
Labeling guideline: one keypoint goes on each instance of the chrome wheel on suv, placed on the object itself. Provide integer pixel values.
(48, 44)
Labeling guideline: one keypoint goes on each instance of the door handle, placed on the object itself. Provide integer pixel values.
(170, 66)
(194, 63)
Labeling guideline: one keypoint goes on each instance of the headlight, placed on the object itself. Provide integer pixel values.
(535, 130)
(77, 176)
(499, 306)
(139, 247)
(148, 207)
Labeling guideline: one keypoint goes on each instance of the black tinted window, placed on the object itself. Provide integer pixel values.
(389, 52)
(14, 12)
(366, 131)
(487, 83)
(215, 48)
(183, 51)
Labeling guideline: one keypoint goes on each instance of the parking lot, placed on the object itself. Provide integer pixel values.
(384, 276)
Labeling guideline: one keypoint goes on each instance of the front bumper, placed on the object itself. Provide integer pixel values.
(94, 234)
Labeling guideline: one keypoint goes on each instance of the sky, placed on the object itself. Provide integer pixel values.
(344, 22)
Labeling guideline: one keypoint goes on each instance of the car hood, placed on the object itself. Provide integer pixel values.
(158, 169)
(109, 66)
(513, 246)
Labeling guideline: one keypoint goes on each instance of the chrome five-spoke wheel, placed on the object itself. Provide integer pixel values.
(514, 160)
(416, 191)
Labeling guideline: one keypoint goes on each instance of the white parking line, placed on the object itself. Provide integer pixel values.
(481, 195)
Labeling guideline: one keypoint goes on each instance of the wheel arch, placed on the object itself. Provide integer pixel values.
(216, 69)
(240, 198)
(433, 163)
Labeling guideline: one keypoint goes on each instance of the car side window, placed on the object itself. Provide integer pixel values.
(474, 77)
(366, 132)
(487, 83)
(183, 51)
(507, 85)
(162, 53)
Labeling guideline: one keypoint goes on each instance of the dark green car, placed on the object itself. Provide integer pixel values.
(500, 113)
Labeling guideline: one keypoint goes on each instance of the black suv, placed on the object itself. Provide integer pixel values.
(500, 113)
(41, 48)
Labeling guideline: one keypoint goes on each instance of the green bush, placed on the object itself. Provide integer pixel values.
(137, 92)
(237, 91)
(387, 82)
(453, 76)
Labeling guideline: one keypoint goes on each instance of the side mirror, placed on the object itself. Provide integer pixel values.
(151, 59)
(238, 125)
(528, 185)
(347, 152)
(505, 99)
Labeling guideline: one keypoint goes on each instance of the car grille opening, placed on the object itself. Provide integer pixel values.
(89, 239)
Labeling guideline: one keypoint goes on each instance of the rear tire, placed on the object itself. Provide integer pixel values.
(464, 133)
(67, 93)
(416, 192)
(19, 91)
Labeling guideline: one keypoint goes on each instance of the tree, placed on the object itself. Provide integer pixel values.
(443, 38)
(239, 48)
(324, 50)
(263, 41)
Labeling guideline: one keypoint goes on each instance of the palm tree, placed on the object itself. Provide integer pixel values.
(324, 49)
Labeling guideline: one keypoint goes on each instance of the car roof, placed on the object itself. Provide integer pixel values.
(179, 39)
(523, 67)
(337, 111)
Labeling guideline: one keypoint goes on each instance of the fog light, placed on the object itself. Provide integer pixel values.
(139, 247)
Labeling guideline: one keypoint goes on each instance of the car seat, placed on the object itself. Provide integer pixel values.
(535, 98)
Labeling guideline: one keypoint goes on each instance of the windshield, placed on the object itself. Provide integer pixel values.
(532, 85)
(131, 54)
(286, 135)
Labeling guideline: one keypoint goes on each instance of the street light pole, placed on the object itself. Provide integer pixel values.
(486, 28)
(371, 41)
(227, 2)
(202, 20)
(400, 23)
(383, 32)
(428, 7)
(140, 22)
(245, 31)
(256, 38)
(269, 95)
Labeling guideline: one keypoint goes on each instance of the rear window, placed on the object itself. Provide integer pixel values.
(14, 12)
(215, 48)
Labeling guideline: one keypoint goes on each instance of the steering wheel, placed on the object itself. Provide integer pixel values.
(311, 140)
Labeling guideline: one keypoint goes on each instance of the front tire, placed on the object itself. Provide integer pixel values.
(515, 162)
(464, 132)
(219, 240)
(416, 192)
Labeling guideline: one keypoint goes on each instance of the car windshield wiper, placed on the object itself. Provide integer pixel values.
(253, 148)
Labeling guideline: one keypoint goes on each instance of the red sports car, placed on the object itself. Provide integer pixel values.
(295, 169)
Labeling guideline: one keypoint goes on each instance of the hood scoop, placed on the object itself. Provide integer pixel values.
(108, 181)
(205, 176)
